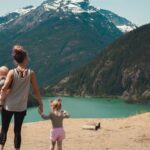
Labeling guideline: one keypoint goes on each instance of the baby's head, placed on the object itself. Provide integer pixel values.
(3, 71)
(56, 104)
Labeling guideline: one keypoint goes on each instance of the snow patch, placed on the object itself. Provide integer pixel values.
(48, 7)
(67, 6)
(91, 19)
(125, 28)
(76, 1)
(23, 11)
(77, 17)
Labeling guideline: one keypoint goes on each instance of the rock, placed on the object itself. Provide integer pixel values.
(146, 94)
(125, 95)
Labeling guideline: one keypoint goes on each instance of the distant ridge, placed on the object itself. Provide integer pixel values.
(122, 69)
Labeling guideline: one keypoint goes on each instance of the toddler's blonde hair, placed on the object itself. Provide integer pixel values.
(56, 104)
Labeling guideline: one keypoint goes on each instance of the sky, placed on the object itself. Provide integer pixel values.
(137, 11)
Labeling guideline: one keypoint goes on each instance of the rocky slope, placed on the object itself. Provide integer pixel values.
(122, 69)
(121, 23)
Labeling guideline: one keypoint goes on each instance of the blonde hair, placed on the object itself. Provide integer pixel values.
(4, 71)
(56, 104)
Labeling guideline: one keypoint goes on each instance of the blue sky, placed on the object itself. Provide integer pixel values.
(137, 11)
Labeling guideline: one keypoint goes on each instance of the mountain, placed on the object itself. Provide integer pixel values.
(74, 6)
(13, 15)
(60, 36)
(121, 23)
(122, 69)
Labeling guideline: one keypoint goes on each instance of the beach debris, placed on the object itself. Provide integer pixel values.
(92, 126)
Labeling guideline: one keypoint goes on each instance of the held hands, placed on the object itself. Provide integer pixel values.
(1, 100)
(40, 108)
(1, 104)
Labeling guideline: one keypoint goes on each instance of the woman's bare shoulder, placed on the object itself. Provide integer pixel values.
(32, 72)
(11, 72)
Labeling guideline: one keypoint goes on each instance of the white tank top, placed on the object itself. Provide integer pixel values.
(18, 97)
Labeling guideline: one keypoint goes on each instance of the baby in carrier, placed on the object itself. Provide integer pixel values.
(3, 73)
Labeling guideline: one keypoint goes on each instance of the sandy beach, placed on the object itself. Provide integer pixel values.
(131, 133)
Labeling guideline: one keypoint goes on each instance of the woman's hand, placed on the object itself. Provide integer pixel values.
(40, 109)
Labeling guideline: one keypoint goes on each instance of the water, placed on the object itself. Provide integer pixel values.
(91, 108)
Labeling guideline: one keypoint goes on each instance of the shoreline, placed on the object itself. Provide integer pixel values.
(115, 118)
(111, 97)
(92, 118)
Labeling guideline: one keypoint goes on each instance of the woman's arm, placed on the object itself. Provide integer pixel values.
(5, 87)
(36, 91)
(46, 117)
(8, 81)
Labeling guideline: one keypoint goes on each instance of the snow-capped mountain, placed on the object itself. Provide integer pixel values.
(121, 23)
(74, 6)
(60, 35)
(49, 9)
(14, 15)
(63, 8)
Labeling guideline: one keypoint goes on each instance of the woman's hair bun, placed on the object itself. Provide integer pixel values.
(18, 53)
(17, 49)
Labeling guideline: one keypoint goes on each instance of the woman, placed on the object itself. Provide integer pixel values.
(16, 102)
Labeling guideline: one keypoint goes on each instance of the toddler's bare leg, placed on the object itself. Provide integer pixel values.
(59, 145)
(52, 145)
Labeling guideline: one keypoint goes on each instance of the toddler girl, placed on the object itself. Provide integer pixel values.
(57, 133)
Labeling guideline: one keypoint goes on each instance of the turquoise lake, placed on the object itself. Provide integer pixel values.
(90, 108)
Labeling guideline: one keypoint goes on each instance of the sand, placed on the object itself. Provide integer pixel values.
(131, 133)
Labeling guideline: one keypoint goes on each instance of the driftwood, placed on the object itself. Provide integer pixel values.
(92, 126)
